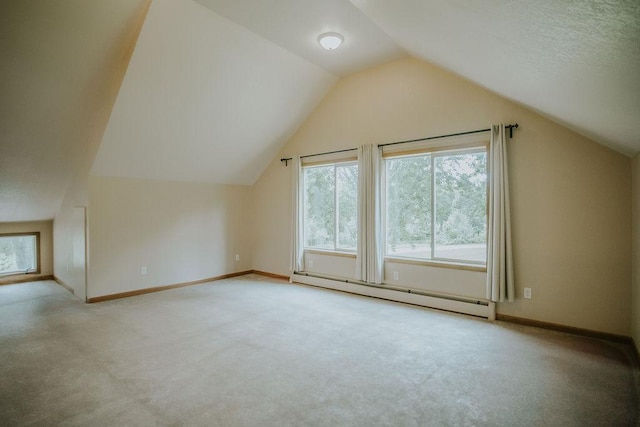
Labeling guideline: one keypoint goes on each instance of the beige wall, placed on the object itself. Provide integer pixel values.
(570, 196)
(46, 243)
(180, 231)
(101, 102)
(635, 262)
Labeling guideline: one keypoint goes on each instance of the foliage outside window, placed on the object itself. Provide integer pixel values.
(19, 253)
(331, 206)
(436, 206)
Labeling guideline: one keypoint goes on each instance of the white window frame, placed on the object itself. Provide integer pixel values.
(433, 152)
(36, 268)
(335, 163)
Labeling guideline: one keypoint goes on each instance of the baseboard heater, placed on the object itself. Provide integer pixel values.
(474, 307)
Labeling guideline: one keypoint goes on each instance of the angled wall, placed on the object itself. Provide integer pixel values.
(570, 195)
(203, 107)
(101, 101)
(205, 100)
(635, 262)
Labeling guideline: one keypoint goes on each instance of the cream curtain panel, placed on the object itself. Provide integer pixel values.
(500, 286)
(369, 259)
(297, 209)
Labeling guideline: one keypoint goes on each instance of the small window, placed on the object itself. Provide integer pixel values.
(436, 206)
(331, 206)
(19, 253)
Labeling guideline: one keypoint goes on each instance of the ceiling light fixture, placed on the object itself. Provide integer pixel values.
(330, 41)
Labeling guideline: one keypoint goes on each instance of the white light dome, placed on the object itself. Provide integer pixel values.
(330, 41)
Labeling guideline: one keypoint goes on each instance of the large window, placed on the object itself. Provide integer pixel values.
(436, 205)
(19, 253)
(331, 206)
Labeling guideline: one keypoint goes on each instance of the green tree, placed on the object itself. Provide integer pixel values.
(408, 201)
(347, 188)
(319, 206)
(460, 198)
(322, 186)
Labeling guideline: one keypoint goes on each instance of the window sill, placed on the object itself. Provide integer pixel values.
(438, 264)
(23, 278)
(330, 253)
(18, 273)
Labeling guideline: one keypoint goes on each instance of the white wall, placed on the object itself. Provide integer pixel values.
(570, 195)
(179, 231)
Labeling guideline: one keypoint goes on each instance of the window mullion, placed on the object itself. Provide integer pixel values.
(433, 207)
(335, 195)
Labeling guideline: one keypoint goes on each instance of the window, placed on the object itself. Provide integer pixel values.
(19, 253)
(331, 206)
(436, 205)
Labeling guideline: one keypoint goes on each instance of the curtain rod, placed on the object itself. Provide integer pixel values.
(510, 127)
(286, 161)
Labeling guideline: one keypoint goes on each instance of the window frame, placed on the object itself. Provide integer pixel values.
(37, 269)
(433, 152)
(350, 161)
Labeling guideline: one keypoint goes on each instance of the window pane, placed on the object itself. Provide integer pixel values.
(17, 254)
(347, 186)
(408, 203)
(461, 199)
(319, 207)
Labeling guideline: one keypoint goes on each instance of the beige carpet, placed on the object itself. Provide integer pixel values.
(252, 351)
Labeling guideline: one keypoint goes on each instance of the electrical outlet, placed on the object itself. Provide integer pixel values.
(527, 293)
(395, 275)
(143, 270)
(237, 257)
(310, 263)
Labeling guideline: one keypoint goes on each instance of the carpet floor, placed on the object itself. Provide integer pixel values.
(253, 351)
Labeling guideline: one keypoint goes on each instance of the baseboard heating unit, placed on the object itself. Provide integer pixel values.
(474, 307)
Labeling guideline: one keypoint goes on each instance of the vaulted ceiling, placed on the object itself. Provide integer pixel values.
(53, 60)
(216, 87)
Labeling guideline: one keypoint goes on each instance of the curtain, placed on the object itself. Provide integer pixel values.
(500, 286)
(369, 258)
(297, 208)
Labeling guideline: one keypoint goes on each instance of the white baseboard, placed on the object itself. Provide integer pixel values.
(483, 309)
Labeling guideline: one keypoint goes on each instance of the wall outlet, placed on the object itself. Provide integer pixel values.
(395, 275)
(143, 270)
(527, 293)
(237, 257)
(310, 263)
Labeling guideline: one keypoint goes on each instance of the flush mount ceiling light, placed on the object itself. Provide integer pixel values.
(330, 41)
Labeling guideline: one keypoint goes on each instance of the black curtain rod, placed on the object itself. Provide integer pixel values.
(329, 152)
(510, 127)
(286, 161)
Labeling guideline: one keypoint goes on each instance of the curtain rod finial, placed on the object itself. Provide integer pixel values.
(510, 127)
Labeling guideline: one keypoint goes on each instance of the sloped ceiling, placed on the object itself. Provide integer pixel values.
(295, 26)
(216, 87)
(53, 57)
(575, 61)
(205, 100)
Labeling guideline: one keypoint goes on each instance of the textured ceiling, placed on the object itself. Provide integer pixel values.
(575, 61)
(215, 90)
